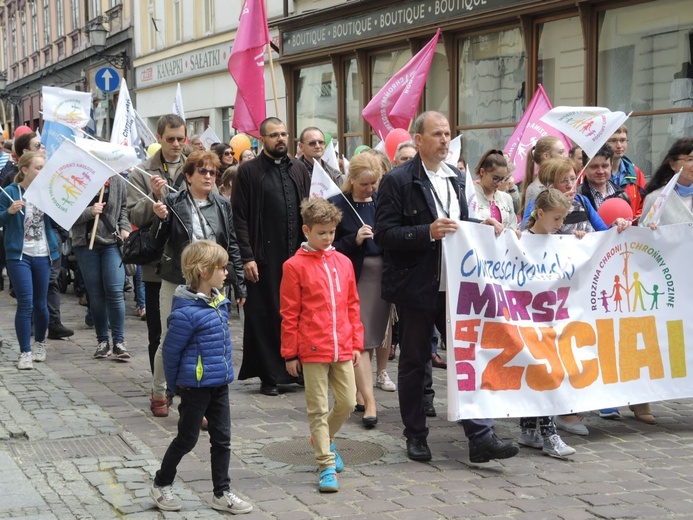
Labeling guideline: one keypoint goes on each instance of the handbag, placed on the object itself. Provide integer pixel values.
(138, 249)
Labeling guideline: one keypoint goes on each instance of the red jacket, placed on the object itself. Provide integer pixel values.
(319, 304)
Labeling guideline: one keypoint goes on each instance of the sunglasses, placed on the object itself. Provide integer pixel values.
(204, 172)
(172, 140)
(38, 145)
(229, 153)
(316, 143)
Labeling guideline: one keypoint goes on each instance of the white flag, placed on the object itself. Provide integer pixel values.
(124, 131)
(69, 107)
(177, 107)
(330, 155)
(454, 151)
(67, 183)
(589, 127)
(345, 162)
(470, 195)
(118, 157)
(143, 130)
(321, 185)
(209, 137)
(655, 214)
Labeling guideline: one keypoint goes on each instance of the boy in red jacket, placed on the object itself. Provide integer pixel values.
(322, 333)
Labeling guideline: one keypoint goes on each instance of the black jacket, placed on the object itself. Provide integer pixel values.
(175, 232)
(403, 216)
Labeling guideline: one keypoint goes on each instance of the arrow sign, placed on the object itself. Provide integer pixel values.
(107, 79)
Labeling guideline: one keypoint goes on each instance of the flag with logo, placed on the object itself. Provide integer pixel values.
(321, 184)
(177, 107)
(69, 107)
(394, 106)
(124, 131)
(247, 67)
(589, 127)
(655, 214)
(53, 136)
(67, 183)
(209, 137)
(529, 130)
(117, 157)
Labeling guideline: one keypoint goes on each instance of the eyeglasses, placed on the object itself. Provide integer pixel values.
(497, 179)
(228, 153)
(568, 182)
(38, 145)
(316, 143)
(276, 135)
(205, 171)
(171, 140)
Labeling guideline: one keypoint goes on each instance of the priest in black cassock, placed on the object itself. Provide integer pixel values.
(266, 200)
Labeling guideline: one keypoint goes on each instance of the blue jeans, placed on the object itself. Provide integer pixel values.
(195, 403)
(139, 288)
(104, 275)
(29, 277)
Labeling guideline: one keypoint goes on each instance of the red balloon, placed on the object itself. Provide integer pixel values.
(394, 139)
(614, 208)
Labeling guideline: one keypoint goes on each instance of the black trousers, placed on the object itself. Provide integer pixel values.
(153, 317)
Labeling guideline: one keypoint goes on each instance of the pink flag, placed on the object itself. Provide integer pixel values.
(247, 67)
(529, 130)
(396, 103)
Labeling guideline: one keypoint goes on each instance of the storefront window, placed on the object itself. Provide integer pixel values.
(645, 65)
(490, 92)
(353, 95)
(436, 95)
(316, 99)
(561, 61)
(383, 67)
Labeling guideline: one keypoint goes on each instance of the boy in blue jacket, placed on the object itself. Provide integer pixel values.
(197, 363)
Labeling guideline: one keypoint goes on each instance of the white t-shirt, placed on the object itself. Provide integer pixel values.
(35, 239)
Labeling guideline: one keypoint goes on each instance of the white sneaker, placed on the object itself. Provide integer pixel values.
(25, 362)
(164, 498)
(555, 447)
(38, 352)
(384, 382)
(531, 437)
(231, 504)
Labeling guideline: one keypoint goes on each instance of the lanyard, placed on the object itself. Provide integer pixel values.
(446, 209)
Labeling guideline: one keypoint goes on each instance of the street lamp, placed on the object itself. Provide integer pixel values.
(97, 35)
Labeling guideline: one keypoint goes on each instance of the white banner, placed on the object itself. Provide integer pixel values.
(67, 183)
(117, 157)
(209, 137)
(550, 324)
(69, 107)
(124, 131)
(321, 184)
(177, 107)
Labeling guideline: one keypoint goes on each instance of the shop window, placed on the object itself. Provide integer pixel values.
(561, 61)
(644, 65)
(436, 93)
(383, 67)
(316, 99)
(353, 94)
(491, 90)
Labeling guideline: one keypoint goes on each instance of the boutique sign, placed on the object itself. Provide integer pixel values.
(397, 17)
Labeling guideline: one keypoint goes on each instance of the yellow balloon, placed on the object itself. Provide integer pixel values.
(240, 143)
(153, 148)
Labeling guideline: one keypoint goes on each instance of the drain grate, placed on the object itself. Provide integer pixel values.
(74, 448)
(299, 452)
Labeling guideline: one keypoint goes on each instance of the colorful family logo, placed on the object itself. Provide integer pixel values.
(67, 184)
(589, 124)
(69, 112)
(619, 287)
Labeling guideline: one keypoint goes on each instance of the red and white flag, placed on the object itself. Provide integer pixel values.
(321, 185)
(247, 68)
(529, 130)
(589, 127)
(396, 103)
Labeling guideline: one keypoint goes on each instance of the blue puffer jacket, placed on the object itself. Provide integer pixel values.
(197, 347)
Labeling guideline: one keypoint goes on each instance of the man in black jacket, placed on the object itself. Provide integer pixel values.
(419, 203)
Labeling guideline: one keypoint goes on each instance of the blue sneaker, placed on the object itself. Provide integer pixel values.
(610, 413)
(338, 462)
(328, 481)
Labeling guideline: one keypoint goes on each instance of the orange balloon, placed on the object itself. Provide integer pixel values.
(240, 143)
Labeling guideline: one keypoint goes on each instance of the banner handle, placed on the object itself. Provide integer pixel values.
(96, 220)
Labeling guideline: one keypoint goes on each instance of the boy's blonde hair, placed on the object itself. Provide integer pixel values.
(319, 211)
(202, 257)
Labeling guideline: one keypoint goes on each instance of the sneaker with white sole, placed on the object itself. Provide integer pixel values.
(384, 382)
(103, 350)
(38, 352)
(25, 362)
(164, 498)
(555, 447)
(120, 352)
(231, 504)
(532, 438)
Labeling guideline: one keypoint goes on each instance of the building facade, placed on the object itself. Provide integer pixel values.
(624, 55)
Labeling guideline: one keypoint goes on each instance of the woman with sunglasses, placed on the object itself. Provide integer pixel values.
(29, 142)
(492, 172)
(226, 157)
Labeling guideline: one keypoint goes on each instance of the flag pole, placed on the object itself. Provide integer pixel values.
(96, 220)
(274, 83)
(8, 196)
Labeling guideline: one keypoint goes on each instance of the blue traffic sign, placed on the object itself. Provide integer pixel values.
(107, 79)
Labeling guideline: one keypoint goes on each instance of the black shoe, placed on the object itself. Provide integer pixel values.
(268, 389)
(369, 422)
(417, 449)
(59, 331)
(429, 409)
(492, 448)
(360, 408)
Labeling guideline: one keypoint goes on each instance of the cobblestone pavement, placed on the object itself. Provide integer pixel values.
(77, 441)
